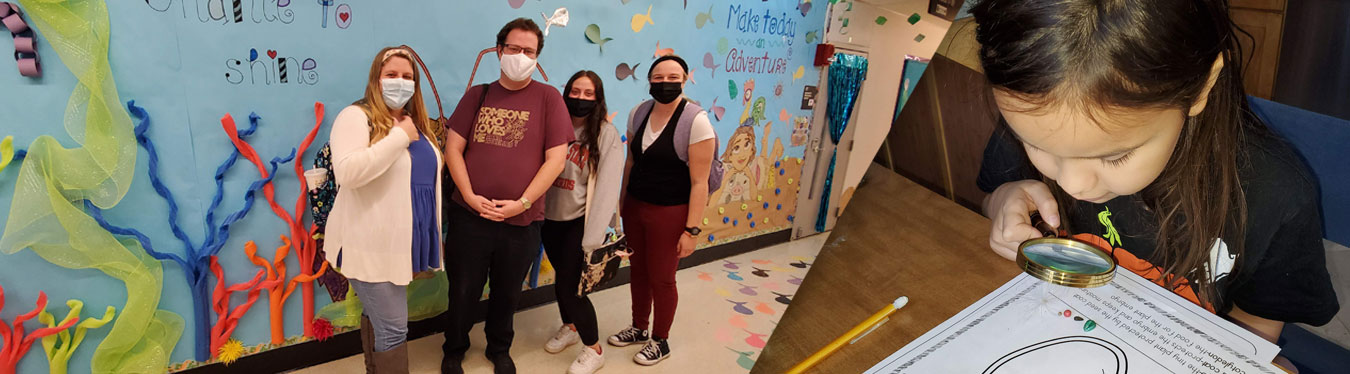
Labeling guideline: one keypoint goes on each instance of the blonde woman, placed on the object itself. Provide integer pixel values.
(385, 223)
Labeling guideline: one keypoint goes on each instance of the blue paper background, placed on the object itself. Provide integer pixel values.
(174, 66)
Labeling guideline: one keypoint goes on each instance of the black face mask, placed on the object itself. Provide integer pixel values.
(666, 92)
(579, 108)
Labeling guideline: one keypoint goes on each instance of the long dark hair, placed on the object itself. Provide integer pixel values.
(590, 132)
(1108, 54)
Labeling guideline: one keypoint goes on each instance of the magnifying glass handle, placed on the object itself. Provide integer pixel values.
(1042, 226)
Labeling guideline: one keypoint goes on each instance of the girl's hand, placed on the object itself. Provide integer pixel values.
(1009, 208)
(406, 124)
(686, 245)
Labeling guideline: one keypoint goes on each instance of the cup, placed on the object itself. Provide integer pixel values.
(315, 177)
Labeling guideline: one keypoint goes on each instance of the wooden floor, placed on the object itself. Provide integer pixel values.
(895, 239)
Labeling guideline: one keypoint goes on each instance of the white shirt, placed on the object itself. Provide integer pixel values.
(371, 220)
(702, 130)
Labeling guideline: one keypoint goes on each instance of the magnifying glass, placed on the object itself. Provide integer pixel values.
(1064, 261)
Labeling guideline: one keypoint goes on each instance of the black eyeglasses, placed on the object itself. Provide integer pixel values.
(512, 49)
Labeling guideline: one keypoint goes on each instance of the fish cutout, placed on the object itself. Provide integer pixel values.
(733, 276)
(738, 322)
(642, 20)
(723, 46)
(701, 275)
(623, 71)
(881, 20)
(802, 258)
(723, 335)
(721, 292)
(593, 35)
(811, 36)
(662, 52)
(762, 273)
(611, 120)
(801, 71)
(744, 360)
(795, 280)
(691, 76)
(740, 308)
(755, 340)
(710, 63)
(783, 116)
(731, 86)
(718, 111)
(770, 286)
(515, 4)
(731, 265)
(784, 299)
(704, 18)
(748, 290)
(778, 91)
(805, 7)
(764, 308)
(6, 152)
(800, 264)
(559, 18)
(762, 262)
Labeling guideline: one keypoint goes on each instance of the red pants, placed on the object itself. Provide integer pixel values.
(654, 235)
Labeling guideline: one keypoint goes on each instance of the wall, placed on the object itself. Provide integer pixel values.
(889, 44)
(188, 63)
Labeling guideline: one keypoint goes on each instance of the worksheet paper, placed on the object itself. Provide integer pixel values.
(1128, 326)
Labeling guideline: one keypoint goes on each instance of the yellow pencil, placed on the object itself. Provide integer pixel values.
(852, 336)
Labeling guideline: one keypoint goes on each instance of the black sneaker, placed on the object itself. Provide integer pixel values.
(655, 351)
(502, 364)
(451, 365)
(629, 336)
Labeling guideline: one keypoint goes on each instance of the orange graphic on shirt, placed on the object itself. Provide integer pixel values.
(1144, 268)
(500, 127)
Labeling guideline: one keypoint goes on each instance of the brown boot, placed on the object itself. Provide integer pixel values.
(393, 361)
(368, 343)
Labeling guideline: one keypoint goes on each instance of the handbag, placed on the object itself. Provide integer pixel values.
(602, 264)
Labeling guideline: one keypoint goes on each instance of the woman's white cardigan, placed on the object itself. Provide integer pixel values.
(371, 220)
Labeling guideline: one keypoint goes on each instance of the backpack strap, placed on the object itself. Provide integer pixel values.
(684, 126)
(636, 119)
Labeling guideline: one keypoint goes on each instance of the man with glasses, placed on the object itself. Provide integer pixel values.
(508, 143)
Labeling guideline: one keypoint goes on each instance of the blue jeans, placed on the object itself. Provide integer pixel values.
(387, 306)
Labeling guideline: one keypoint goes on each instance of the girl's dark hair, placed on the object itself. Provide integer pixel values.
(1102, 55)
(590, 132)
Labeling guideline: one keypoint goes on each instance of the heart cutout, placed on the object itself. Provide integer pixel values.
(344, 16)
(272, 53)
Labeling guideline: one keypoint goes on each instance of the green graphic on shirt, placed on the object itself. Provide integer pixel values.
(1112, 236)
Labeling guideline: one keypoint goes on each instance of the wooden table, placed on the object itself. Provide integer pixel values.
(894, 239)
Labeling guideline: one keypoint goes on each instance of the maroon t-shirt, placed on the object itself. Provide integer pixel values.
(506, 145)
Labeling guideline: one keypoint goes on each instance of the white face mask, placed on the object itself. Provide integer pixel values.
(397, 91)
(517, 67)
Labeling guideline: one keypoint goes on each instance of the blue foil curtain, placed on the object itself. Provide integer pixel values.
(846, 76)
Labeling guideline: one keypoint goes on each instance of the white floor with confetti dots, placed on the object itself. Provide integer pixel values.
(728, 308)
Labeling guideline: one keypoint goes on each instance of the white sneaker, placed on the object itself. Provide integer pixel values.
(587, 362)
(565, 337)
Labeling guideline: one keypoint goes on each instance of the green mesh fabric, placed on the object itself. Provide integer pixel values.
(45, 215)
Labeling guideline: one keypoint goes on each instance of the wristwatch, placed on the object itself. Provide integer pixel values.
(526, 203)
(693, 231)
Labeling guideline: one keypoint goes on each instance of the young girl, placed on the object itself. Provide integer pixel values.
(1126, 123)
(385, 223)
(576, 220)
(663, 202)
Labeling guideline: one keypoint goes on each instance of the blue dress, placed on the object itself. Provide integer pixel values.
(426, 234)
